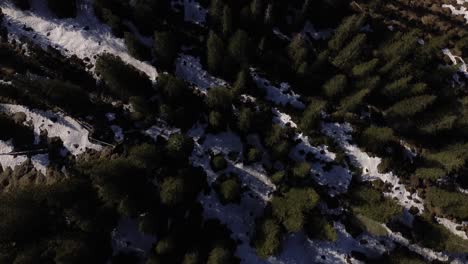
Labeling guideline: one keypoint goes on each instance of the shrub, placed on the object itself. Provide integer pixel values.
(320, 228)
(372, 204)
(165, 47)
(228, 189)
(219, 98)
(122, 79)
(254, 155)
(218, 162)
(446, 203)
(216, 121)
(179, 146)
(291, 208)
(172, 191)
(267, 240)
(335, 86)
(301, 170)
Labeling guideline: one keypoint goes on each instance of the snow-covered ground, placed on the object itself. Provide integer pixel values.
(126, 237)
(39, 161)
(281, 95)
(190, 69)
(369, 165)
(459, 10)
(84, 36)
(161, 129)
(193, 11)
(73, 135)
(457, 60)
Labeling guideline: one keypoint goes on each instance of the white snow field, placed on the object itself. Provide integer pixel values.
(457, 60)
(70, 35)
(459, 10)
(281, 95)
(126, 237)
(369, 165)
(190, 69)
(39, 161)
(193, 11)
(73, 135)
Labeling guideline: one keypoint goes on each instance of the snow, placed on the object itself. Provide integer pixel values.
(69, 35)
(369, 165)
(310, 31)
(281, 95)
(118, 133)
(460, 10)
(127, 237)
(161, 129)
(284, 120)
(39, 161)
(452, 226)
(298, 249)
(110, 117)
(190, 69)
(193, 11)
(340, 132)
(73, 135)
(463, 68)
(240, 218)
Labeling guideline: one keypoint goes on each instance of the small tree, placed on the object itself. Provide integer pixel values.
(215, 53)
(335, 86)
(165, 47)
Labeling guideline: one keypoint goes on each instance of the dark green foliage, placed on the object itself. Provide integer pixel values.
(228, 189)
(245, 120)
(319, 227)
(350, 52)
(267, 240)
(435, 236)
(335, 86)
(215, 53)
(219, 98)
(218, 162)
(411, 106)
(311, 116)
(372, 204)
(165, 47)
(227, 20)
(239, 47)
(290, 209)
(216, 121)
(172, 192)
(122, 79)
(63, 8)
(447, 203)
(301, 170)
(377, 139)
(347, 28)
(179, 146)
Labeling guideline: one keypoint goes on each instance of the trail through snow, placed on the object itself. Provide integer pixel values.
(84, 36)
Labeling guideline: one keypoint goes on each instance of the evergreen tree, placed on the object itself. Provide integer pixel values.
(335, 86)
(165, 47)
(239, 47)
(350, 52)
(215, 53)
(227, 21)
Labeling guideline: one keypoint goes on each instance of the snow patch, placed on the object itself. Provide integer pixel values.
(84, 36)
(190, 69)
(39, 161)
(73, 135)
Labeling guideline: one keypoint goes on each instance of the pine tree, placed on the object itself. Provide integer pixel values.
(239, 47)
(347, 28)
(335, 86)
(350, 52)
(256, 9)
(215, 53)
(227, 20)
(165, 47)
